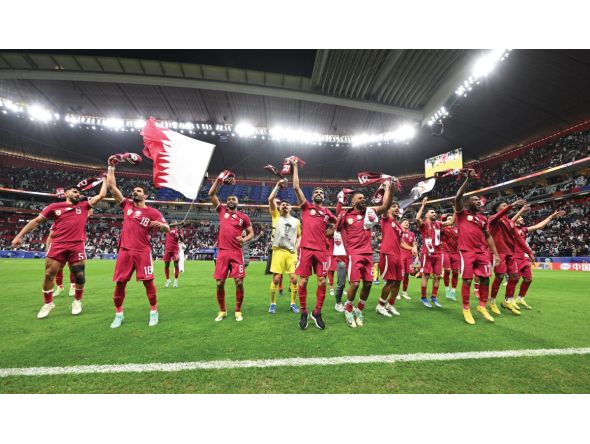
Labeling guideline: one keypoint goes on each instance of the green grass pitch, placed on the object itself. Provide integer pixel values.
(187, 332)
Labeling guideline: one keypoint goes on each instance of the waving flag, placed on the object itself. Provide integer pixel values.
(180, 162)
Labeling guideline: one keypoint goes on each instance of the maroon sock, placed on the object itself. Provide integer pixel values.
(406, 282)
(510, 288)
(455, 279)
(320, 296)
(495, 287)
(303, 298)
(484, 291)
(446, 277)
(423, 291)
(239, 299)
(48, 296)
(524, 286)
(465, 292)
(348, 306)
(167, 271)
(59, 278)
(331, 278)
(434, 290)
(221, 298)
(150, 291)
(361, 304)
(176, 271)
(79, 294)
(119, 296)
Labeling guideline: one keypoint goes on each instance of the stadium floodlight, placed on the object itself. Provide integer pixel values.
(245, 129)
(113, 123)
(486, 64)
(38, 113)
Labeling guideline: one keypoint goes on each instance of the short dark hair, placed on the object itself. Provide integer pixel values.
(72, 187)
(404, 220)
(140, 186)
(354, 192)
(394, 202)
(284, 201)
(496, 205)
(317, 188)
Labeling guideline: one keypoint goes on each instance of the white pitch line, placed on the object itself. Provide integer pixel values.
(288, 362)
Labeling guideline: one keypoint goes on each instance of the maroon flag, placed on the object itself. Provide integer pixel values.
(227, 177)
(459, 173)
(287, 164)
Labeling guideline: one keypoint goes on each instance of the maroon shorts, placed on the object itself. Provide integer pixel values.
(312, 261)
(523, 266)
(390, 267)
(477, 263)
(407, 264)
(229, 264)
(507, 265)
(333, 262)
(360, 267)
(431, 264)
(451, 261)
(171, 256)
(129, 261)
(70, 252)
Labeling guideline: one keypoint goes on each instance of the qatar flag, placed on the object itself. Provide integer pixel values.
(180, 162)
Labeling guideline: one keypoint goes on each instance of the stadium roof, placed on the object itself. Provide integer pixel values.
(324, 91)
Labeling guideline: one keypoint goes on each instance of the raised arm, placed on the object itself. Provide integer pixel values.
(450, 220)
(520, 212)
(100, 196)
(272, 206)
(30, 226)
(419, 220)
(387, 199)
(544, 222)
(505, 210)
(112, 185)
(461, 192)
(296, 187)
(213, 193)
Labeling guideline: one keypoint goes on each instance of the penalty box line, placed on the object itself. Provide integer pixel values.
(287, 362)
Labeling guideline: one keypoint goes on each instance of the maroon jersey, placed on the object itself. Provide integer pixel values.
(172, 239)
(315, 220)
(231, 226)
(518, 250)
(430, 232)
(136, 226)
(69, 220)
(357, 240)
(471, 231)
(502, 230)
(392, 234)
(409, 238)
(450, 239)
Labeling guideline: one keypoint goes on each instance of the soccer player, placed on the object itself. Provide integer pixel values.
(135, 249)
(409, 251)
(390, 261)
(337, 263)
(355, 225)
(67, 243)
(474, 243)
(523, 262)
(172, 252)
(230, 259)
(451, 258)
(503, 231)
(318, 224)
(375, 243)
(286, 234)
(430, 229)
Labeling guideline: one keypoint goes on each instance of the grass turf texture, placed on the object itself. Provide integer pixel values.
(187, 332)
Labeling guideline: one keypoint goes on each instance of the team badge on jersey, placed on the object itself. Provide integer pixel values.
(469, 218)
(129, 212)
(350, 221)
(58, 212)
(226, 215)
(312, 212)
(137, 213)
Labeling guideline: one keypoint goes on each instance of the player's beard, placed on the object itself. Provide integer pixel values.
(318, 199)
(136, 198)
(232, 205)
(74, 200)
(361, 206)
